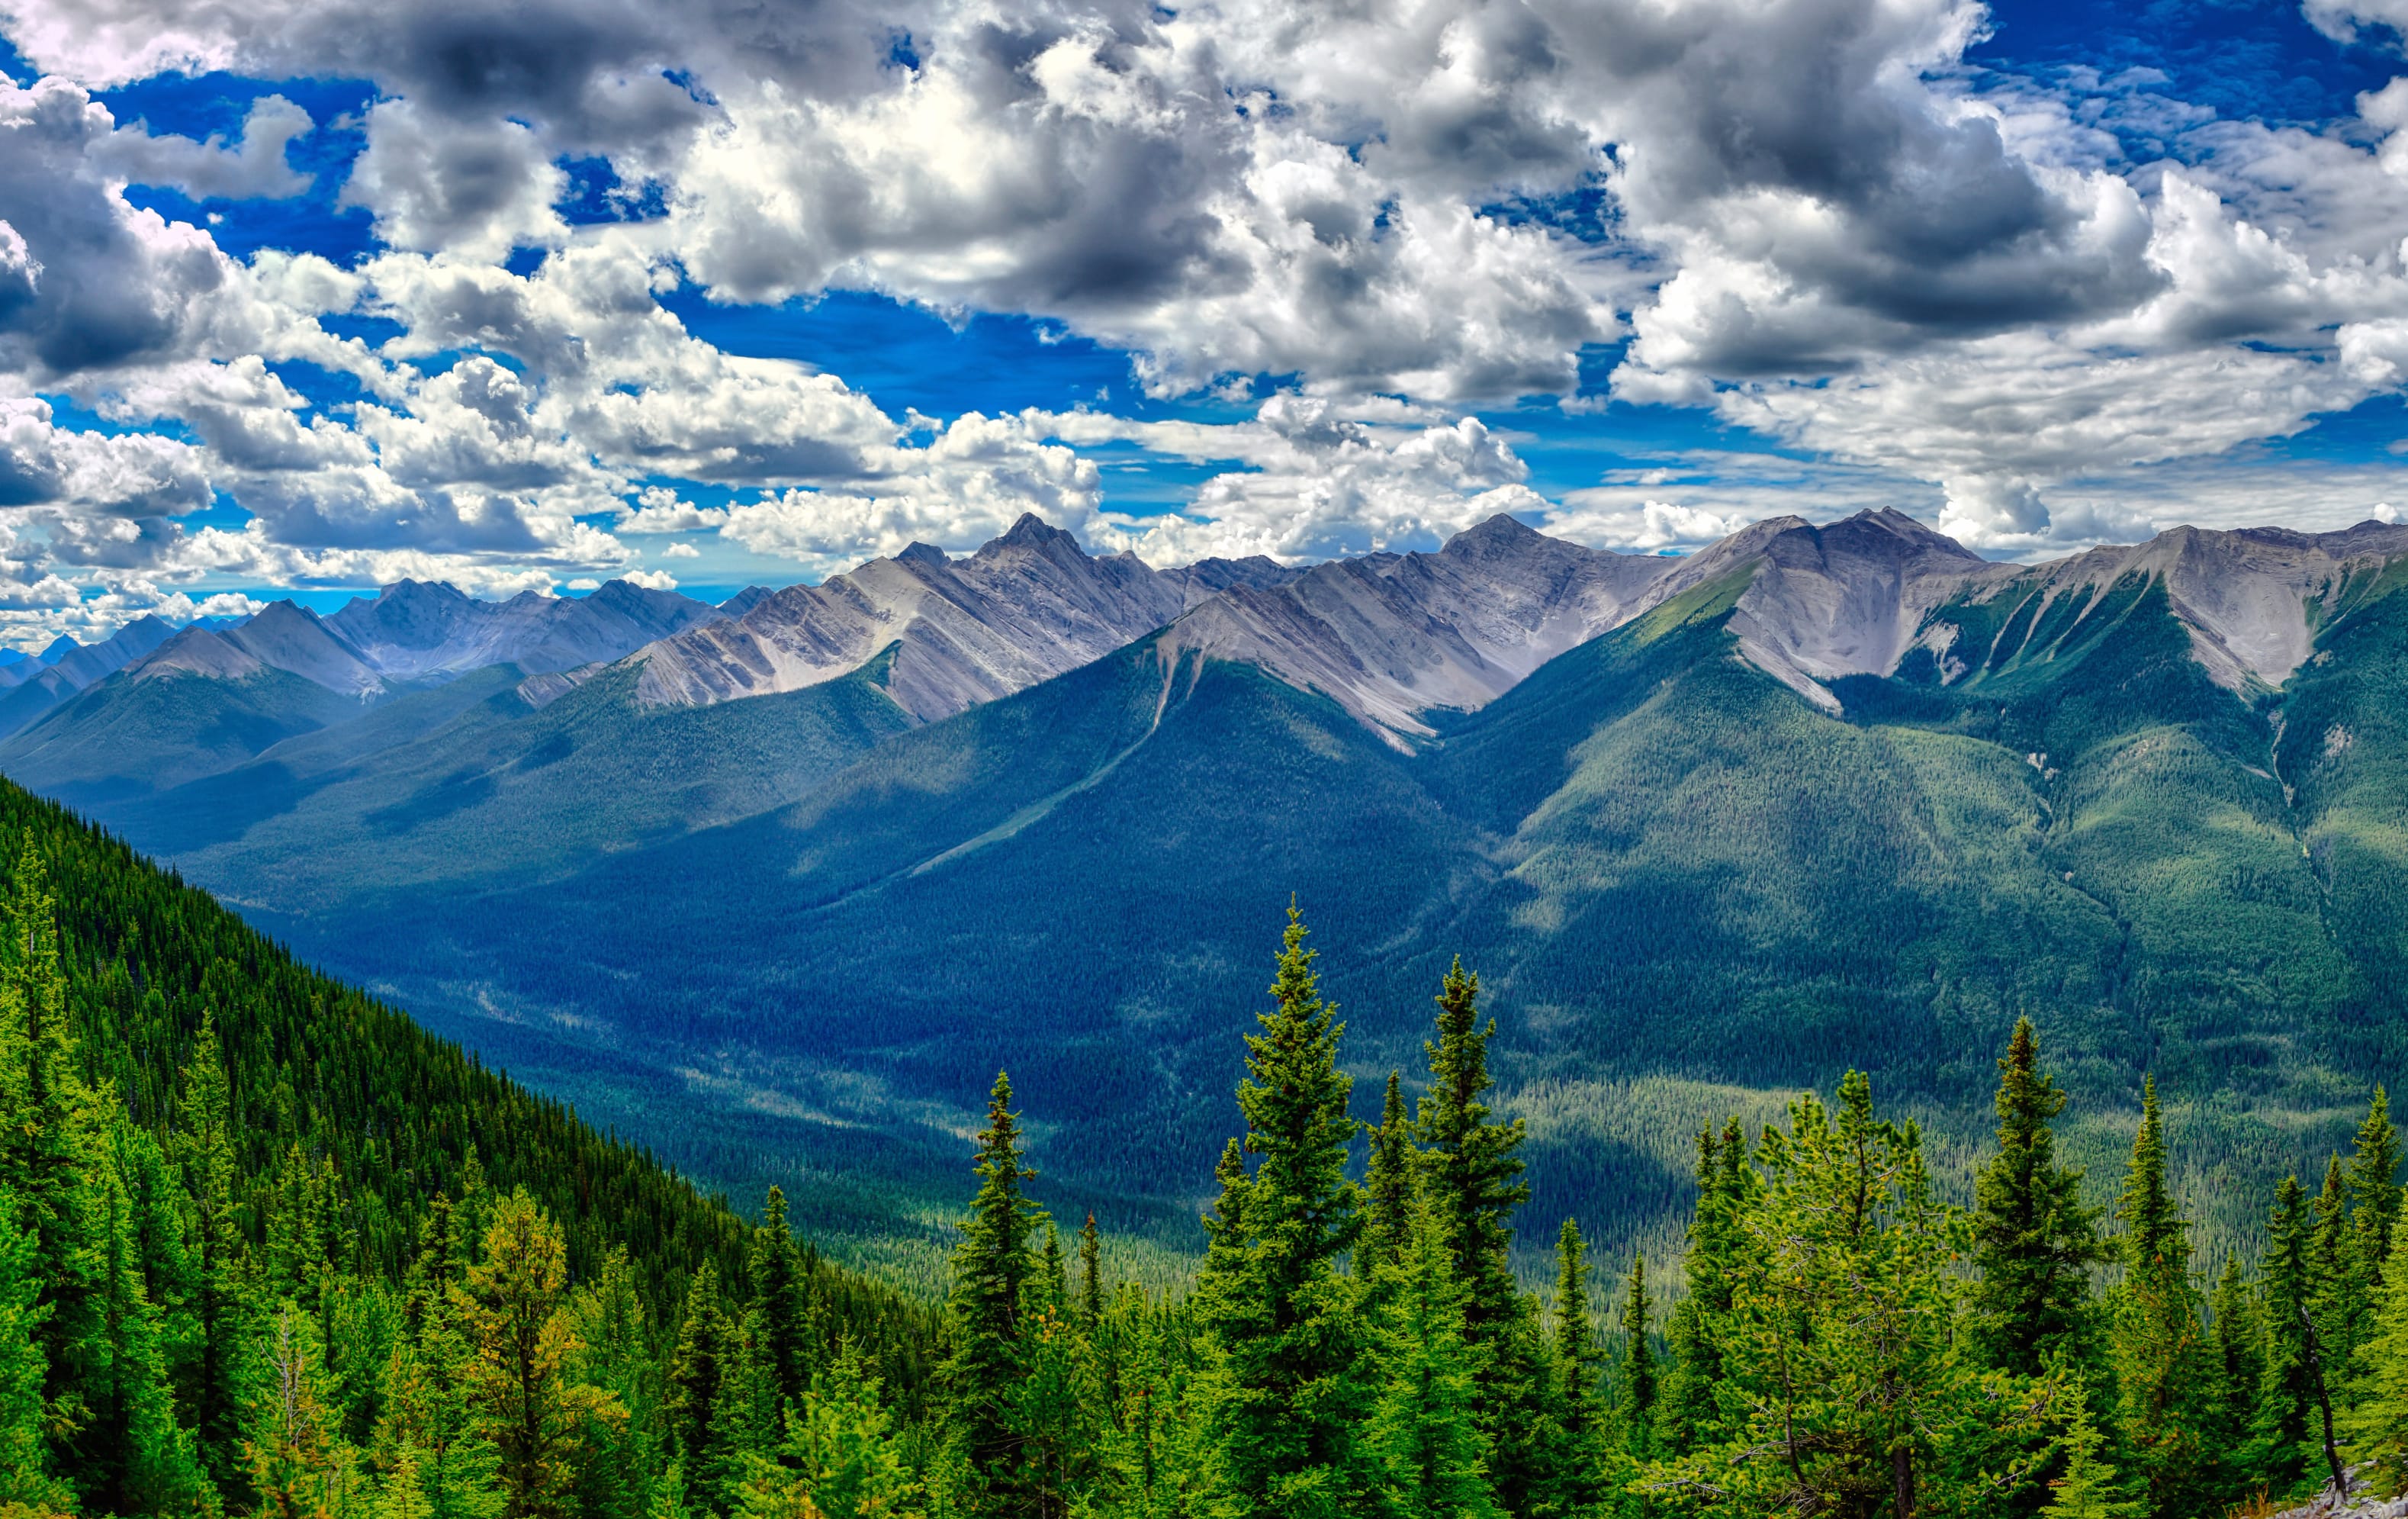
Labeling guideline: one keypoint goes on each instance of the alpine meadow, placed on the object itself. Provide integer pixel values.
(1406, 759)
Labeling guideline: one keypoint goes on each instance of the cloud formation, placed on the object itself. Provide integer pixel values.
(1386, 226)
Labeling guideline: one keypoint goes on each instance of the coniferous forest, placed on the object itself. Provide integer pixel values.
(266, 1249)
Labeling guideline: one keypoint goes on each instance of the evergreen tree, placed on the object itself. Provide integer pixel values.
(1849, 1390)
(2279, 1451)
(2374, 1211)
(993, 1266)
(2034, 1241)
(841, 1456)
(703, 1385)
(222, 1295)
(1639, 1380)
(293, 1457)
(1687, 1416)
(2376, 1428)
(1472, 1168)
(1387, 1188)
(1428, 1444)
(49, 1142)
(24, 1456)
(2240, 1354)
(1286, 1384)
(1580, 1411)
(511, 1310)
(1091, 1274)
(2159, 1350)
(2087, 1489)
(775, 1268)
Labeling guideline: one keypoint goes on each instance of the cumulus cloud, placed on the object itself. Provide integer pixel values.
(1987, 294)
(253, 168)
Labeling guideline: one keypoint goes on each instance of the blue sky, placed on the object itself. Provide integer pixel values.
(484, 295)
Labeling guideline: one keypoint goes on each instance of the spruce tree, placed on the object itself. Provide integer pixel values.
(776, 1268)
(1431, 1452)
(1687, 1416)
(701, 1371)
(1287, 1383)
(24, 1456)
(2287, 1391)
(2159, 1350)
(1580, 1408)
(2376, 1428)
(1091, 1274)
(2238, 1331)
(1638, 1376)
(1387, 1188)
(2374, 1211)
(842, 1454)
(1472, 1168)
(222, 1302)
(992, 1268)
(2034, 1241)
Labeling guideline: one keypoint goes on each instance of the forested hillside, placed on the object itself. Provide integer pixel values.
(184, 1330)
(260, 1232)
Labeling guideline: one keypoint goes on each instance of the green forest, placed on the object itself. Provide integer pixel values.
(267, 1249)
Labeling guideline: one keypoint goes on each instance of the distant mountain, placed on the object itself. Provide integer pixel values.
(1710, 828)
(1026, 607)
(416, 629)
(66, 667)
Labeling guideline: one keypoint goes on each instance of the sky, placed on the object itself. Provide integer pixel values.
(304, 297)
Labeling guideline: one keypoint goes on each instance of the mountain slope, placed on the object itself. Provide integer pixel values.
(75, 667)
(1028, 605)
(418, 630)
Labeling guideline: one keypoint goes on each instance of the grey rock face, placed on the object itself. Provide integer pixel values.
(1026, 607)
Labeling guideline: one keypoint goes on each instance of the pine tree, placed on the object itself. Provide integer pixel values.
(2239, 1332)
(1428, 1444)
(1286, 1383)
(1387, 1188)
(293, 1455)
(1472, 1168)
(2159, 1350)
(24, 1456)
(1638, 1378)
(2087, 1489)
(841, 1456)
(2376, 1428)
(1091, 1274)
(2034, 1241)
(2373, 1213)
(1687, 1416)
(701, 1369)
(510, 1309)
(222, 1300)
(776, 1268)
(1849, 1390)
(992, 1267)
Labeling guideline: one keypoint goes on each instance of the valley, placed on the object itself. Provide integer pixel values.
(1711, 828)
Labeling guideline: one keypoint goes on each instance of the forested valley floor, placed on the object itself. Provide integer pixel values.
(267, 1249)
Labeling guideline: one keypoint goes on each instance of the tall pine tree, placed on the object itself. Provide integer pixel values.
(992, 1270)
(2034, 1240)
(1288, 1380)
(2160, 1349)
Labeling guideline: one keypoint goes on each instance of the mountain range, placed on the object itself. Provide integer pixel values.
(792, 876)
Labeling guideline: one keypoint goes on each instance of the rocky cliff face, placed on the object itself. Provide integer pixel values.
(1026, 607)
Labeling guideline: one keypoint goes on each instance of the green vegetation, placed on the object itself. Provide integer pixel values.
(265, 1249)
(1690, 893)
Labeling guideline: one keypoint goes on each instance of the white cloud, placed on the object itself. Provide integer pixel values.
(251, 168)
